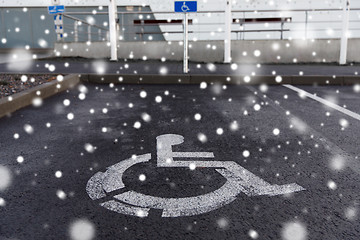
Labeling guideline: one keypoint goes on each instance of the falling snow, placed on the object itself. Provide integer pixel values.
(294, 231)
(82, 229)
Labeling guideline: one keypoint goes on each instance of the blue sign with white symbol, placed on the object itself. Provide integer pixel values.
(56, 9)
(186, 6)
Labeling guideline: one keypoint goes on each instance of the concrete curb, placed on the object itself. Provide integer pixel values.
(22, 99)
(196, 79)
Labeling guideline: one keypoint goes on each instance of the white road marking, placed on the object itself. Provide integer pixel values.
(325, 102)
(133, 203)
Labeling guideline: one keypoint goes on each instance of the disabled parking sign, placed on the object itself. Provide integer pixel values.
(186, 6)
(108, 184)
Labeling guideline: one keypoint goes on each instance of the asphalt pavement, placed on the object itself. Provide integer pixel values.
(273, 134)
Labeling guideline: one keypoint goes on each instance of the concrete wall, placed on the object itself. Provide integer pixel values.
(272, 51)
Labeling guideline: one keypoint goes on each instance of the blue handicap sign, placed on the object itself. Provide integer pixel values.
(56, 9)
(186, 6)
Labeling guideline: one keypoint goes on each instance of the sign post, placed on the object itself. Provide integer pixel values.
(186, 7)
(345, 28)
(113, 30)
(58, 11)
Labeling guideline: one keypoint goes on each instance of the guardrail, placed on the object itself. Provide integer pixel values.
(79, 30)
(208, 25)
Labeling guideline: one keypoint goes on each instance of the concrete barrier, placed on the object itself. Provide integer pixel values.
(272, 51)
(22, 99)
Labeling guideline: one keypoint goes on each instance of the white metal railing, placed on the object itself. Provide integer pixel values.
(209, 25)
(214, 25)
(79, 30)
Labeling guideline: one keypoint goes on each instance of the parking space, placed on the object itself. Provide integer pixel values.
(273, 135)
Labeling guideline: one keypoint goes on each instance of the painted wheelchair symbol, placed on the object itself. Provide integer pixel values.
(184, 7)
(239, 180)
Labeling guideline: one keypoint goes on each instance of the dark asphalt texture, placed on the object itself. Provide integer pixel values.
(151, 67)
(301, 154)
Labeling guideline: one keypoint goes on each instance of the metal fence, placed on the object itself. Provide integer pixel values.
(247, 25)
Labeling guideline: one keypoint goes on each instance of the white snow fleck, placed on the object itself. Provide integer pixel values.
(219, 131)
(223, 223)
(24, 78)
(82, 229)
(16, 136)
(51, 68)
(89, 147)
(142, 177)
(257, 107)
(337, 163)
(61, 194)
(203, 85)
(20, 159)
(332, 185)
(234, 126)
(143, 94)
(99, 66)
(234, 66)
(158, 99)
(83, 89)
(28, 129)
(276, 131)
(344, 123)
(2, 202)
(197, 116)
(163, 71)
(263, 88)
(37, 102)
(59, 78)
(48, 125)
(351, 213)
(58, 174)
(104, 110)
(5, 178)
(202, 137)
(192, 166)
(253, 234)
(246, 153)
(357, 88)
(19, 54)
(278, 79)
(82, 96)
(70, 116)
(211, 67)
(141, 213)
(257, 53)
(294, 231)
(137, 125)
(66, 102)
(247, 79)
(104, 129)
(146, 117)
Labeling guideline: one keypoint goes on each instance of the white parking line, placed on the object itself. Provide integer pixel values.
(325, 102)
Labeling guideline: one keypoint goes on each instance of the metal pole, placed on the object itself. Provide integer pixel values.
(112, 29)
(99, 33)
(186, 42)
(76, 34)
(227, 41)
(345, 28)
(89, 33)
(306, 24)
